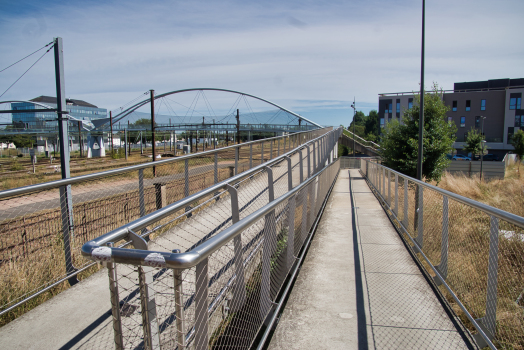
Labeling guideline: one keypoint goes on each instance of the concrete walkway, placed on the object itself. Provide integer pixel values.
(359, 288)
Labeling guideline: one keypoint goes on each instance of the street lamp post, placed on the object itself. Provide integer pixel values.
(482, 146)
(354, 113)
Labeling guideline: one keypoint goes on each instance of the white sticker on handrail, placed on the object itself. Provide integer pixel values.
(155, 260)
(101, 254)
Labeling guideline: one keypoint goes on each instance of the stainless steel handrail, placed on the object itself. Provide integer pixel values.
(190, 259)
(64, 182)
(512, 218)
(363, 140)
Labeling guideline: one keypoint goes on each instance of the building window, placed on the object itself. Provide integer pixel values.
(477, 122)
(468, 105)
(410, 103)
(390, 108)
(462, 122)
(381, 122)
(450, 119)
(514, 100)
(454, 106)
(398, 107)
(519, 121)
(511, 131)
(482, 105)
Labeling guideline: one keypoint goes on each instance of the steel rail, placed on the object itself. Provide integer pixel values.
(73, 180)
(435, 270)
(146, 101)
(512, 218)
(202, 251)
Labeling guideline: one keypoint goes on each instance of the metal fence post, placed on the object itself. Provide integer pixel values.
(268, 246)
(301, 166)
(236, 159)
(304, 230)
(186, 178)
(271, 149)
(405, 218)
(239, 290)
(396, 195)
(179, 309)
(262, 152)
(115, 303)
(278, 141)
(389, 187)
(314, 158)
(215, 169)
(201, 305)
(443, 266)
(489, 320)
(148, 304)
(250, 156)
(308, 162)
(289, 174)
(141, 199)
(290, 253)
(420, 218)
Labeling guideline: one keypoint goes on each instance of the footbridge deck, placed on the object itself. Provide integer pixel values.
(359, 288)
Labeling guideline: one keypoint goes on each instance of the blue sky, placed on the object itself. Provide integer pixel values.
(311, 57)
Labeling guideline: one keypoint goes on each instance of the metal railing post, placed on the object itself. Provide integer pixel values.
(443, 266)
(237, 151)
(115, 303)
(304, 230)
(490, 318)
(239, 290)
(420, 218)
(289, 174)
(290, 253)
(262, 152)
(271, 149)
(148, 304)
(141, 199)
(389, 187)
(186, 178)
(301, 166)
(201, 305)
(215, 169)
(179, 309)
(314, 158)
(405, 218)
(250, 156)
(66, 212)
(268, 246)
(396, 195)
(308, 162)
(278, 152)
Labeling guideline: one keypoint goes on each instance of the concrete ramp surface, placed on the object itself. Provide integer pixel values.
(359, 288)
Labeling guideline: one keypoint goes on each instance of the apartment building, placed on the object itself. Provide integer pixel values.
(497, 103)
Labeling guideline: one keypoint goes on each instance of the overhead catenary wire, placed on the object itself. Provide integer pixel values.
(26, 71)
(20, 60)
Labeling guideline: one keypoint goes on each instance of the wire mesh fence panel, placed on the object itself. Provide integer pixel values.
(477, 253)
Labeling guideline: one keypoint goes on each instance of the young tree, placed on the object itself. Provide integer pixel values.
(399, 143)
(518, 143)
(474, 143)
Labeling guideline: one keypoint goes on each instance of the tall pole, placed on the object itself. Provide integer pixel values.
(481, 147)
(238, 127)
(421, 113)
(354, 122)
(111, 129)
(80, 137)
(152, 97)
(66, 198)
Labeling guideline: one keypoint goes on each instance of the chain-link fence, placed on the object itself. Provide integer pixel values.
(474, 252)
(208, 276)
(43, 227)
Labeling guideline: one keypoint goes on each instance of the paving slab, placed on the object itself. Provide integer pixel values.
(359, 288)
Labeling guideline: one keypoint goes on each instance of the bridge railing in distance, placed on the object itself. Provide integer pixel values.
(208, 277)
(474, 252)
(364, 142)
(43, 226)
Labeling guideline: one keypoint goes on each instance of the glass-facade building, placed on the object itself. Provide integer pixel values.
(78, 109)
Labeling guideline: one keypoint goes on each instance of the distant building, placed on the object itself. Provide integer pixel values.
(78, 109)
(498, 100)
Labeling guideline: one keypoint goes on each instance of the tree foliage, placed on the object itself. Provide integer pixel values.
(518, 143)
(366, 126)
(19, 140)
(399, 143)
(474, 143)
